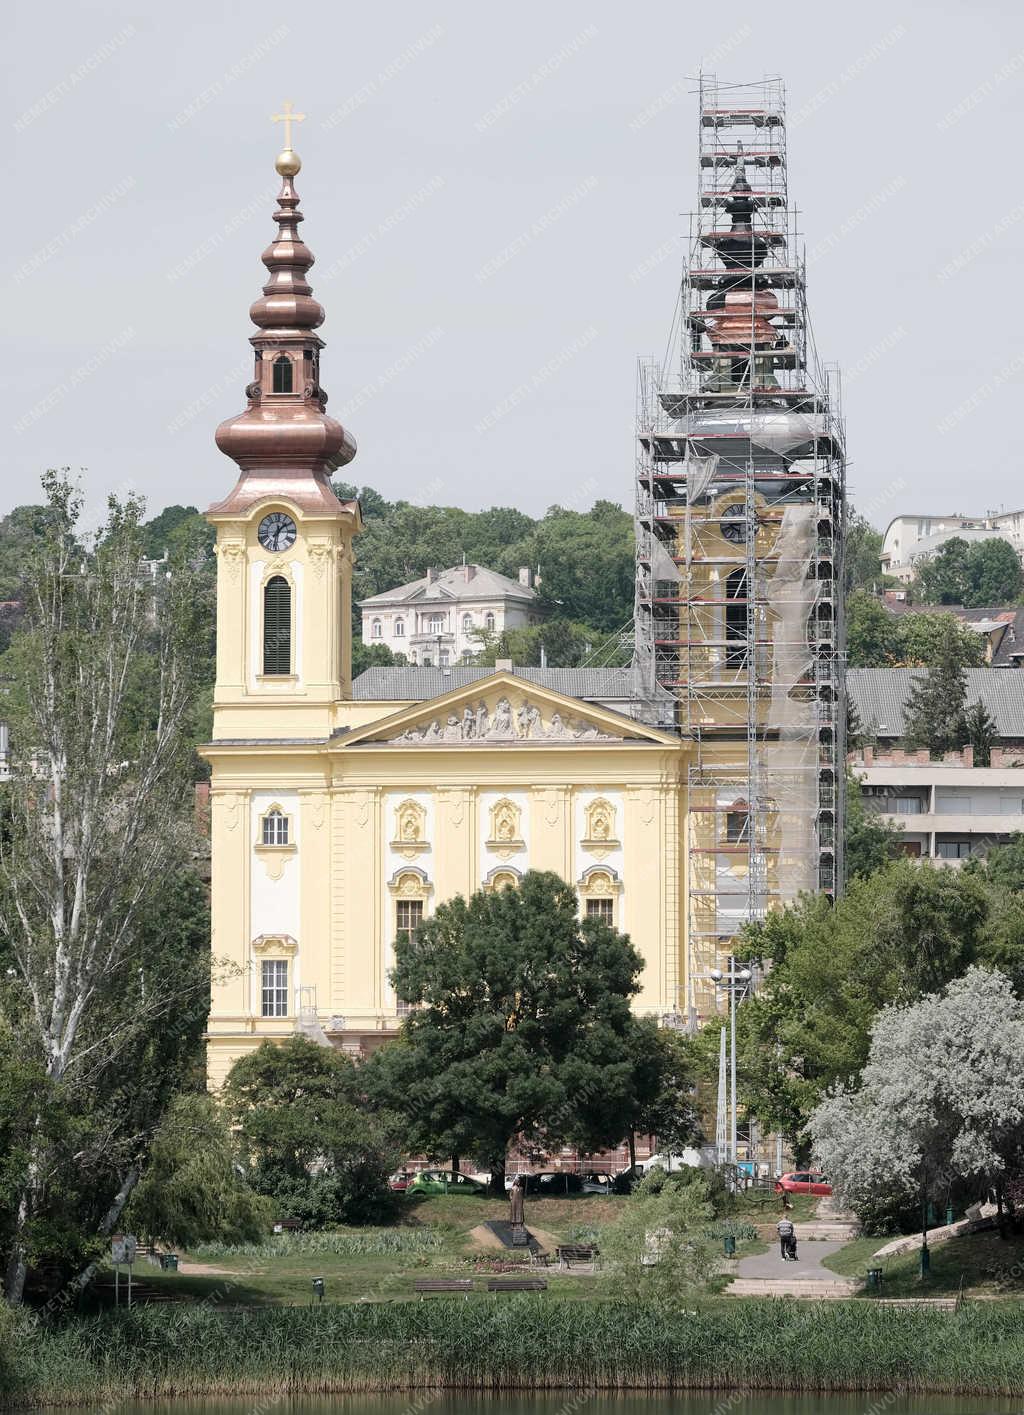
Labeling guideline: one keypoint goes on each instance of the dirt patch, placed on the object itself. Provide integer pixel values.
(190, 1269)
(484, 1240)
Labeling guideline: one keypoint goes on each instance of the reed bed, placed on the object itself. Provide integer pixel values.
(342, 1243)
(505, 1344)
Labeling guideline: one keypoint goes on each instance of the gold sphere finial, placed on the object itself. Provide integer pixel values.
(288, 163)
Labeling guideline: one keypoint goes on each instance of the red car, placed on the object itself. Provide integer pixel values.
(804, 1181)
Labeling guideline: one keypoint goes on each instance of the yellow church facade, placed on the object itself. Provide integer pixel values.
(340, 819)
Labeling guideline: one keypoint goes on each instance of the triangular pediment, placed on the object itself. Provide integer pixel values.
(504, 711)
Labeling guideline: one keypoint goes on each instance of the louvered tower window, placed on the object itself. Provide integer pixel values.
(277, 626)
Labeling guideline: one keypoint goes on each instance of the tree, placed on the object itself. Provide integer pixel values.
(872, 631)
(943, 578)
(862, 559)
(976, 574)
(994, 574)
(660, 1250)
(664, 1079)
(925, 639)
(870, 839)
(312, 1142)
(96, 826)
(904, 930)
(191, 1191)
(981, 733)
(941, 1097)
(935, 712)
(519, 1026)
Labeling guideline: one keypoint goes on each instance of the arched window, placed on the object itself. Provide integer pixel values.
(489, 622)
(282, 374)
(399, 628)
(375, 629)
(412, 657)
(277, 627)
(736, 620)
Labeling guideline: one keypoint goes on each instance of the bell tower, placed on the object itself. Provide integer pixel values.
(284, 540)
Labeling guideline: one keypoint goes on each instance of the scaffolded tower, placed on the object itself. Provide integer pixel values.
(740, 506)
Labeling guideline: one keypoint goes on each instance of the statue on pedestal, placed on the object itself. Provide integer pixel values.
(517, 1212)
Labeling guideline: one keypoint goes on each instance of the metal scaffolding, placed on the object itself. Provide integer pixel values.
(739, 508)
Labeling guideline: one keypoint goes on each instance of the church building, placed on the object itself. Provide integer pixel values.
(340, 820)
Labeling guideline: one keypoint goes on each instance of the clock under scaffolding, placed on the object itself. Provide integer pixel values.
(740, 517)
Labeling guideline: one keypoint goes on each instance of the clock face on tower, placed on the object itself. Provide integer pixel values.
(277, 531)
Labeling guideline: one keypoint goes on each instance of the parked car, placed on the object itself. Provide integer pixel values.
(598, 1182)
(400, 1181)
(444, 1181)
(553, 1181)
(803, 1181)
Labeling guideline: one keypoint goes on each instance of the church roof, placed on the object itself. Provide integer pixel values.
(598, 685)
(454, 584)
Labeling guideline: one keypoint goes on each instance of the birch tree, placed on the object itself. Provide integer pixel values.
(96, 828)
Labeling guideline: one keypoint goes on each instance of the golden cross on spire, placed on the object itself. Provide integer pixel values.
(288, 117)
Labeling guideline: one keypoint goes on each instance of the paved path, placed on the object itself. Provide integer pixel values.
(769, 1266)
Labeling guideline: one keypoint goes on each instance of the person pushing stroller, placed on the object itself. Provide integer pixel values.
(787, 1239)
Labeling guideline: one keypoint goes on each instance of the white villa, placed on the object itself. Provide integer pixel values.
(437, 620)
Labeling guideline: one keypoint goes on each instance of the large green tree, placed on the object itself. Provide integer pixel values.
(904, 930)
(191, 1190)
(519, 1027)
(974, 574)
(862, 554)
(312, 1142)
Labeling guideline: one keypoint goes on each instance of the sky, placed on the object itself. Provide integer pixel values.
(497, 198)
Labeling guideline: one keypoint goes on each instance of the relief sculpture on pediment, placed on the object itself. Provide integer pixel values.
(523, 721)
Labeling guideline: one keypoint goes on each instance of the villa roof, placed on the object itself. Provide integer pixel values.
(453, 584)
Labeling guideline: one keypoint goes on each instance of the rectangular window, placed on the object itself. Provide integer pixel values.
(952, 849)
(737, 826)
(275, 828)
(603, 909)
(907, 805)
(435, 624)
(408, 917)
(275, 987)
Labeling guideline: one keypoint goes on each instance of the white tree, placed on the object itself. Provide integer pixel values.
(941, 1096)
(96, 809)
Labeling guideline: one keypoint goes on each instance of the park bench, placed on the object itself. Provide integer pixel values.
(517, 1284)
(443, 1284)
(569, 1253)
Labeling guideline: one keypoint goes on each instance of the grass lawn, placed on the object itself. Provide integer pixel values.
(983, 1263)
(431, 1239)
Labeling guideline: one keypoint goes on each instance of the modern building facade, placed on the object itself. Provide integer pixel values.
(445, 617)
(909, 540)
(947, 808)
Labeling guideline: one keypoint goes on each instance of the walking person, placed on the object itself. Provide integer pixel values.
(787, 1237)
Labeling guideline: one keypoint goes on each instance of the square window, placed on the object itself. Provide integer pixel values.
(275, 987)
(603, 909)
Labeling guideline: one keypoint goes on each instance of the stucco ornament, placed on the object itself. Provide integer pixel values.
(600, 840)
(410, 829)
(519, 722)
(506, 832)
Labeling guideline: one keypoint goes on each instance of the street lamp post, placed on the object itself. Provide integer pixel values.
(736, 982)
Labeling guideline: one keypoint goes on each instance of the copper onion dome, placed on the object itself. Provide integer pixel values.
(284, 442)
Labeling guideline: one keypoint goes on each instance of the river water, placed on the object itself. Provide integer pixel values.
(567, 1403)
